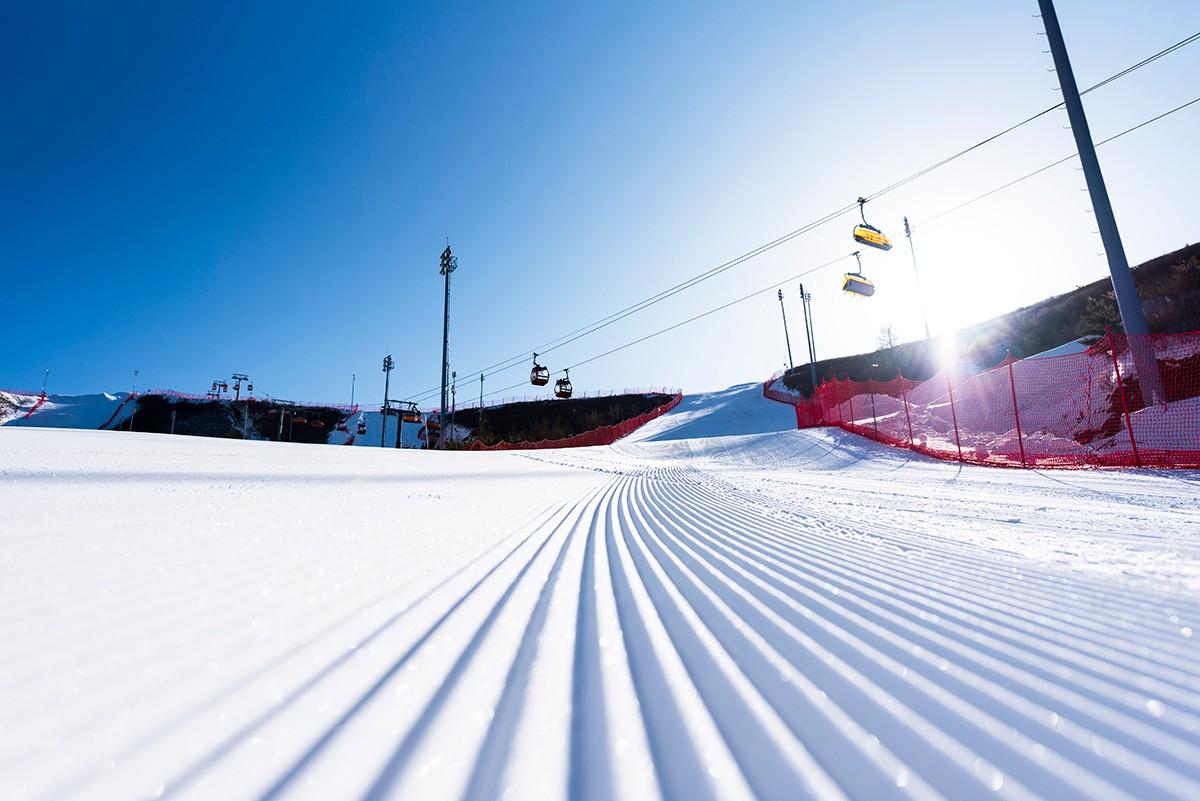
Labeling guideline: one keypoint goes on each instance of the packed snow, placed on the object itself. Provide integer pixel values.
(94, 411)
(716, 607)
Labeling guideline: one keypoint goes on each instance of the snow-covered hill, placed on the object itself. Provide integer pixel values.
(717, 607)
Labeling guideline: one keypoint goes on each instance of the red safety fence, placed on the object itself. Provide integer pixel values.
(1084, 409)
(604, 435)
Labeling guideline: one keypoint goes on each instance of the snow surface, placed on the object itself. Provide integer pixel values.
(66, 411)
(716, 607)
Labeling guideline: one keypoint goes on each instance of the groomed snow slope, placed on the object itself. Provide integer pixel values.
(752, 612)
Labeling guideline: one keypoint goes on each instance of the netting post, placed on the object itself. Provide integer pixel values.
(1012, 384)
(874, 420)
(953, 414)
(1137, 459)
(907, 419)
(850, 400)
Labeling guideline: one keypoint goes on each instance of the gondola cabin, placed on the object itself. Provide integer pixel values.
(539, 376)
(872, 237)
(563, 388)
(361, 428)
(855, 284)
(411, 417)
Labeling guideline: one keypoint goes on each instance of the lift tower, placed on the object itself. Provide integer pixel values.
(1128, 304)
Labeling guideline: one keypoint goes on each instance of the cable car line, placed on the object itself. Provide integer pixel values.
(833, 262)
(604, 322)
(1053, 164)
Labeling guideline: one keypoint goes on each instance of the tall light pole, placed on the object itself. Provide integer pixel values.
(805, 302)
(1128, 303)
(453, 403)
(920, 292)
(133, 400)
(353, 378)
(388, 364)
(449, 264)
(786, 338)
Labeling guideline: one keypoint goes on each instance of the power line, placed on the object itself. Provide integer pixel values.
(604, 322)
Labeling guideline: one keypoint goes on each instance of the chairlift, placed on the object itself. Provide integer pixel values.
(539, 376)
(300, 421)
(562, 387)
(856, 283)
(410, 413)
(361, 428)
(340, 425)
(869, 235)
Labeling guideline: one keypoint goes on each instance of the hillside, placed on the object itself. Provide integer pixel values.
(531, 421)
(1169, 286)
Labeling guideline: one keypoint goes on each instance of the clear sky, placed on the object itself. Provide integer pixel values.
(191, 189)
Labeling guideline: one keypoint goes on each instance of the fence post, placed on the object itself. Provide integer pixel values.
(1020, 437)
(874, 420)
(850, 399)
(907, 418)
(953, 414)
(1137, 459)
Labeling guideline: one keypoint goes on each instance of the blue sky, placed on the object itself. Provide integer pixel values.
(192, 189)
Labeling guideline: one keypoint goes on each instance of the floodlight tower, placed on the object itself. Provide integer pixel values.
(786, 338)
(448, 265)
(388, 365)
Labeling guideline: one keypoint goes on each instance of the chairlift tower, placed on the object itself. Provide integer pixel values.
(448, 265)
(1130, 307)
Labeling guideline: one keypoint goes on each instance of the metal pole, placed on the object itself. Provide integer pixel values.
(353, 378)
(453, 402)
(791, 364)
(920, 292)
(133, 400)
(448, 265)
(388, 364)
(173, 421)
(480, 403)
(1118, 266)
(805, 301)
(45, 378)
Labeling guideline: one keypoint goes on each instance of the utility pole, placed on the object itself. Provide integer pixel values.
(480, 405)
(388, 364)
(806, 301)
(1132, 318)
(791, 364)
(920, 292)
(133, 400)
(449, 264)
(353, 378)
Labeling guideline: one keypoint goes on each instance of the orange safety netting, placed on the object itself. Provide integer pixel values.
(604, 435)
(1084, 409)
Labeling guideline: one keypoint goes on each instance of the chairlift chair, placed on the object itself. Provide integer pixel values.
(869, 235)
(539, 376)
(855, 283)
(562, 387)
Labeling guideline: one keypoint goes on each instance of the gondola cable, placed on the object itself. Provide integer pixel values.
(604, 322)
